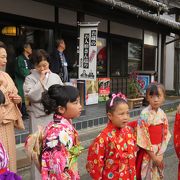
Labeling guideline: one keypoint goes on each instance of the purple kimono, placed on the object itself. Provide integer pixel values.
(5, 174)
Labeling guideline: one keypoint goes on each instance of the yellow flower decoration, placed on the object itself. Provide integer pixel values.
(101, 140)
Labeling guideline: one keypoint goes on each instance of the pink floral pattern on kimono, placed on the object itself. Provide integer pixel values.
(3, 157)
(5, 173)
(150, 117)
(59, 162)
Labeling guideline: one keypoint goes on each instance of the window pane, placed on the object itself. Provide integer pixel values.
(149, 57)
(134, 56)
(119, 51)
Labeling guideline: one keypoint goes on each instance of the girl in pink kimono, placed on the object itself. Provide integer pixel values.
(60, 140)
(152, 135)
(5, 174)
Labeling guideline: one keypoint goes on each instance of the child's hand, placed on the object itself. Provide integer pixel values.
(159, 161)
(178, 109)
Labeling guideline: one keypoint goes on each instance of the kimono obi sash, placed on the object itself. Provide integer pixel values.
(156, 133)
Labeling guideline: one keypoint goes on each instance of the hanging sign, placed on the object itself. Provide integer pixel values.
(88, 51)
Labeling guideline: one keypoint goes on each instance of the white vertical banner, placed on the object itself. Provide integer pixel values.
(88, 51)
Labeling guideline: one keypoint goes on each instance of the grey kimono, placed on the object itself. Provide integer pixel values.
(33, 90)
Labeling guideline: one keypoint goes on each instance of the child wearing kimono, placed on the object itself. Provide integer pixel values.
(5, 174)
(152, 135)
(177, 137)
(60, 139)
(112, 155)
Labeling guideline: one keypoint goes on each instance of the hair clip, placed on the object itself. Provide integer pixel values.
(120, 95)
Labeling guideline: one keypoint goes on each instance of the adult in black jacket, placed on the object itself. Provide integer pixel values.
(59, 64)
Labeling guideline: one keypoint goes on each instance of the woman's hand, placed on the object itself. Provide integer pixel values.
(43, 74)
(16, 99)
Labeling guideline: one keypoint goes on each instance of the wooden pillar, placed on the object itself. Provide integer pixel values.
(163, 58)
(177, 62)
(142, 54)
(108, 50)
(56, 17)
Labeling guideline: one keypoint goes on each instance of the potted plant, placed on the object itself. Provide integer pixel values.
(135, 91)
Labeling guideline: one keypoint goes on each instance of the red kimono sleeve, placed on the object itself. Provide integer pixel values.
(95, 158)
(177, 135)
(176, 140)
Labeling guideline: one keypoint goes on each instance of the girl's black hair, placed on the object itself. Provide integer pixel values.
(117, 100)
(2, 98)
(58, 95)
(39, 55)
(153, 89)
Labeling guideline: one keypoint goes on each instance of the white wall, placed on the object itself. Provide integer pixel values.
(169, 61)
(150, 38)
(128, 31)
(169, 65)
(28, 8)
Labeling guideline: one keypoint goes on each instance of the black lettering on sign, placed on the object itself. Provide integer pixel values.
(86, 51)
(93, 37)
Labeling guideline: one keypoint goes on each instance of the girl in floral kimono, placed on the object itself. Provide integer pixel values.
(152, 135)
(5, 174)
(60, 140)
(177, 137)
(112, 155)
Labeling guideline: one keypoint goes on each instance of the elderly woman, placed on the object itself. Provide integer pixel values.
(177, 137)
(40, 79)
(10, 114)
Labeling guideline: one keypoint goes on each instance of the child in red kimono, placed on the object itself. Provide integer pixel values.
(152, 135)
(112, 155)
(61, 147)
(177, 137)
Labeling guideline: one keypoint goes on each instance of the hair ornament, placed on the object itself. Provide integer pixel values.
(119, 95)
